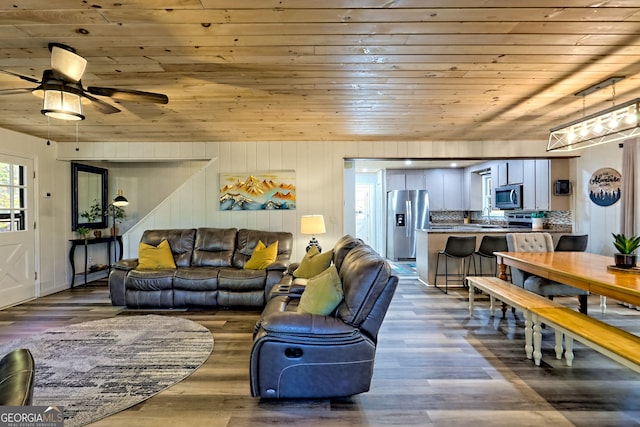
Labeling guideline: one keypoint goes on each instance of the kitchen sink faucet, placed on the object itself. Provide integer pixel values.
(487, 217)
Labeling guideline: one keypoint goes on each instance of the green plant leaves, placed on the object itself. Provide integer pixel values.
(625, 245)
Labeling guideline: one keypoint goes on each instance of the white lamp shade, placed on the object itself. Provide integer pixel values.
(312, 224)
(68, 63)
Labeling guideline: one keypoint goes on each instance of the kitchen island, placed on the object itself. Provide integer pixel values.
(430, 241)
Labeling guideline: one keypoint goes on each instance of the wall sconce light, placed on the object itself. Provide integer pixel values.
(616, 123)
(312, 224)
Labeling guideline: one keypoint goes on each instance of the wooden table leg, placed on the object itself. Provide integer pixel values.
(503, 276)
(503, 271)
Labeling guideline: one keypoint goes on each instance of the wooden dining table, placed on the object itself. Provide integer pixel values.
(584, 270)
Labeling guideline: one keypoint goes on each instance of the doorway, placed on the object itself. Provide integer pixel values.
(17, 233)
(369, 210)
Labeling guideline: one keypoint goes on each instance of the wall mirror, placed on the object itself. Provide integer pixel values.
(89, 187)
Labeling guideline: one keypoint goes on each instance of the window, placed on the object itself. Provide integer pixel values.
(13, 209)
(487, 199)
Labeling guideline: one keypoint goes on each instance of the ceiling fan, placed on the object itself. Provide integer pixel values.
(63, 92)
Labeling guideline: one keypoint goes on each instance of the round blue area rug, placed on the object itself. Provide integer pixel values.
(95, 369)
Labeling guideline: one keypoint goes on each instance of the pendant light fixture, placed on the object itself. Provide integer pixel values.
(616, 123)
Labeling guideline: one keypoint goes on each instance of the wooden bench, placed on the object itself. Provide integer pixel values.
(615, 343)
(619, 345)
(520, 298)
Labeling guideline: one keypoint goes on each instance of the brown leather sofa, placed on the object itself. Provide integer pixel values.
(300, 355)
(209, 270)
(17, 371)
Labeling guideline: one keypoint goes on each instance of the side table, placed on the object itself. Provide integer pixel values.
(81, 242)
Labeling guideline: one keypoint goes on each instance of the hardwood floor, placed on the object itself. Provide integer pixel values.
(435, 366)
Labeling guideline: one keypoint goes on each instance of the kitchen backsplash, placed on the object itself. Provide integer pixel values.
(552, 219)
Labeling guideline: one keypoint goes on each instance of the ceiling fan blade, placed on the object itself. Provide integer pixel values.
(66, 62)
(100, 105)
(23, 77)
(129, 95)
(16, 91)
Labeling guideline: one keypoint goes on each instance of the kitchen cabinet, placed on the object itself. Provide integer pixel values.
(515, 171)
(529, 186)
(499, 173)
(453, 189)
(472, 190)
(507, 172)
(435, 187)
(414, 180)
(543, 185)
(445, 188)
(395, 181)
(539, 176)
(405, 180)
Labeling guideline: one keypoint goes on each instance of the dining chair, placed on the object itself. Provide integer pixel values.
(572, 243)
(540, 242)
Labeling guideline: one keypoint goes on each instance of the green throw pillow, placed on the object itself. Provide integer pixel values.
(313, 263)
(322, 294)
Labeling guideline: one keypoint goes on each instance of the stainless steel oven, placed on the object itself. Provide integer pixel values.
(519, 220)
(509, 197)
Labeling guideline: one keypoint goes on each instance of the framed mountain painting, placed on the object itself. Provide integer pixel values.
(274, 190)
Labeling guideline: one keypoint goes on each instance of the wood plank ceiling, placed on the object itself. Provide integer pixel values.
(331, 70)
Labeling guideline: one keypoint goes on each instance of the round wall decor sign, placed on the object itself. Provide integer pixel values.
(605, 186)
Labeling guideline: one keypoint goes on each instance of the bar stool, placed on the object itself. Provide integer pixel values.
(457, 247)
(488, 245)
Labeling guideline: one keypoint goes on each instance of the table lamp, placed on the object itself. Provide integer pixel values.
(312, 224)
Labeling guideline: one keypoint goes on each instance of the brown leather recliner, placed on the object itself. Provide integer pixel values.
(17, 371)
(298, 355)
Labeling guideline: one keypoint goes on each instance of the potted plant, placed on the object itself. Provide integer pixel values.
(83, 231)
(118, 214)
(537, 220)
(626, 246)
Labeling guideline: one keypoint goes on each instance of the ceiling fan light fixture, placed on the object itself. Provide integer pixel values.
(67, 62)
(61, 104)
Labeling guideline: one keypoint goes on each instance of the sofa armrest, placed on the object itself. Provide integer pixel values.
(309, 325)
(292, 267)
(286, 279)
(126, 264)
(17, 370)
(278, 266)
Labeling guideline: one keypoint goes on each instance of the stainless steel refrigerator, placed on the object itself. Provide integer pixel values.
(407, 211)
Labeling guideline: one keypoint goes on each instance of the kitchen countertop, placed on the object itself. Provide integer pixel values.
(430, 241)
(488, 228)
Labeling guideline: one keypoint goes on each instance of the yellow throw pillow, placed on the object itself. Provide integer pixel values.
(262, 256)
(313, 263)
(155, 257)
(322, 294)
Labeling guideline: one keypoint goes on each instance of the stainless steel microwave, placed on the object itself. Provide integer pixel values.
(509, 197)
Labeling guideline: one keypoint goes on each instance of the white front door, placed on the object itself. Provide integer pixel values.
(17, 234)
